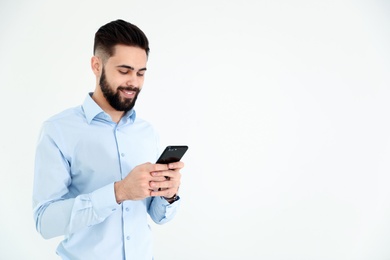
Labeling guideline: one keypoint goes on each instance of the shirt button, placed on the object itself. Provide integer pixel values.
(127, 209)
(128, 237)
(122, 154)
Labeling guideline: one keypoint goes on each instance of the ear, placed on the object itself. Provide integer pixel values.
(96, 65)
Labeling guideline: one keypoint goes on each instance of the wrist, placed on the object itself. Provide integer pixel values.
(171, 199)
(118, 192)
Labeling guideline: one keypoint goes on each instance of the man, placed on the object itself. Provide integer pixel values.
(94, 181)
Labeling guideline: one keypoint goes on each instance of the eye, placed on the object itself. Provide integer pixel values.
(140, 74)
(123, 72)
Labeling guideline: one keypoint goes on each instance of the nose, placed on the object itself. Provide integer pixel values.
(132, 80)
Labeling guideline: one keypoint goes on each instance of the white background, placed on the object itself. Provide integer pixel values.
(284, 105)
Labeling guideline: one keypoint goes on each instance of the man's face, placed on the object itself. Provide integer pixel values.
(123, 76)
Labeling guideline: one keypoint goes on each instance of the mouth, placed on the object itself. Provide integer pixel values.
(128, 93)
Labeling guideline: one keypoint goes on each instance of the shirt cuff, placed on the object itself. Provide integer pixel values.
(166, 203)
(104, 201)
(169, 208)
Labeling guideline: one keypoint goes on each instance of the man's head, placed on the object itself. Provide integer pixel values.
(118, 32)
(119, 63)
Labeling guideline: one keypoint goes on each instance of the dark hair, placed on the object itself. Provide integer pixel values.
(119, 32)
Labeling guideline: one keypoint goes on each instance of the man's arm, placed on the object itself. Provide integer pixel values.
(66, 216)
(55, 211)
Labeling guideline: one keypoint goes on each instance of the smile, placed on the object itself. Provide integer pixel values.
(128, 93)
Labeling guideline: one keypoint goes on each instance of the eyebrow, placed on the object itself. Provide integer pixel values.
(129, 67)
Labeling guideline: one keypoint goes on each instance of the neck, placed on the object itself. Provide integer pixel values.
(115, 115)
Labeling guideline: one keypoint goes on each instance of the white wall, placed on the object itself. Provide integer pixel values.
(284, 105)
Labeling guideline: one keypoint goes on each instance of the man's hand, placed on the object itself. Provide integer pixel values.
(136, 185)
(169, 186)
(147, 180)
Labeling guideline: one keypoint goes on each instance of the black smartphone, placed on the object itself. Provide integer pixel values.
(172, 153)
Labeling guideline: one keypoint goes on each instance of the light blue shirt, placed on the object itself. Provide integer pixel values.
(80, 153)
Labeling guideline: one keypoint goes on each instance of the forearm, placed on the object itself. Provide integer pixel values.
(64, 217)
(53, 219)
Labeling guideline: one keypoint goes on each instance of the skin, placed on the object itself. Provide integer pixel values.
(127, 68)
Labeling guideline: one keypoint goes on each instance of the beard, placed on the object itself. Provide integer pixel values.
(114, 98)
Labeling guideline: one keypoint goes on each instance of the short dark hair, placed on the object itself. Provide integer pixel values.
(119, 32)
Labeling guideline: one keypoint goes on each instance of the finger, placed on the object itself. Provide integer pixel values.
(158, 178)
(164, 174)
(157, 167)
(175, 165)
(168, 193)
(167, 174)
(161, 184)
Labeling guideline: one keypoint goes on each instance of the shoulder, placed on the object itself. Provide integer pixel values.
(67, 118)
(140, 122)
(66, 115)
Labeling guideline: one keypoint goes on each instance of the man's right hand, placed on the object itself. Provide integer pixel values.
(136, 185)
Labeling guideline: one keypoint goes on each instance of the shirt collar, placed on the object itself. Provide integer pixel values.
(92, 109)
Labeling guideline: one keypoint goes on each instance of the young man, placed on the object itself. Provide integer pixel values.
(94, 181)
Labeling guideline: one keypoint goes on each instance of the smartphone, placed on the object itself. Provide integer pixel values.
(172, 153)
